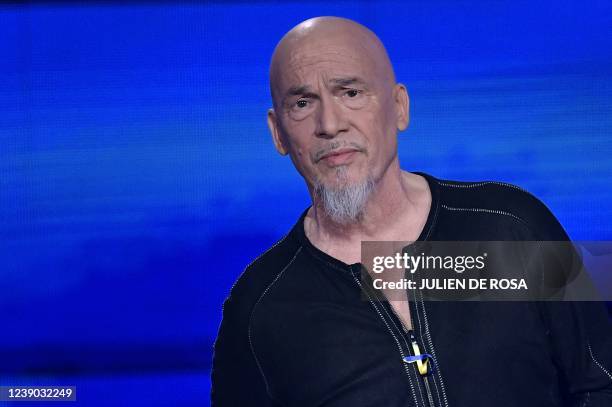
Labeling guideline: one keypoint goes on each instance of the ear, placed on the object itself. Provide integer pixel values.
(402, 106)
(275, 131)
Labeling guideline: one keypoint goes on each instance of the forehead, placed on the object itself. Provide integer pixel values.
(310, 61)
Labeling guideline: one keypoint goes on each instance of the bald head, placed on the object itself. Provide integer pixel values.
(333, 36)
(337, 110)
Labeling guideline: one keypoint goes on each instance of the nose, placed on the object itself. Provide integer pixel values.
(331, 119)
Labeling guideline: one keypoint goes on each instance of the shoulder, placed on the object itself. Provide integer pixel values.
(502, 200)
(260, 274)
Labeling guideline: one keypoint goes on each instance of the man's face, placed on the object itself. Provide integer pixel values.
(336, 112)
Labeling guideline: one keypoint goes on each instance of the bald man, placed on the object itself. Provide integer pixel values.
(296, 329)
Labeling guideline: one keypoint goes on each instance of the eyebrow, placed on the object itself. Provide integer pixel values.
(299, 90)
(305, 90)
(348, 81)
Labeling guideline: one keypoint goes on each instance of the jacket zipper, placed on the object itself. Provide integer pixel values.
(364, 289)
(405, 334)
(423, 367)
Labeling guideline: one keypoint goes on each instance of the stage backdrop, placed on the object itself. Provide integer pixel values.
(138, 178)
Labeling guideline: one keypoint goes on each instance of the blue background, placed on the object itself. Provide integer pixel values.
(138, 178)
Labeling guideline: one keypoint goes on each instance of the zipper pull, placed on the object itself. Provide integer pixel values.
(424, 361)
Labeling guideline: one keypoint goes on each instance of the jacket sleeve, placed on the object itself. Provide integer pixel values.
(581, 344)
(236, 378)
(579, 332)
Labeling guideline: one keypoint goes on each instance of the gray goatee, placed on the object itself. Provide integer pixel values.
(344, 203)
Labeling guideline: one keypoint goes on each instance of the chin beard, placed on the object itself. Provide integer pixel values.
(345, 202)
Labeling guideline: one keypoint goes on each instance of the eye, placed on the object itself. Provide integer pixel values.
(351, 93)
(354, 98)
(300, 108)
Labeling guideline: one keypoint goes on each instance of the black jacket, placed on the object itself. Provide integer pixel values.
(297, 332)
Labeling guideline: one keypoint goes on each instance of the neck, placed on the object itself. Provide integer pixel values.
(393, 200)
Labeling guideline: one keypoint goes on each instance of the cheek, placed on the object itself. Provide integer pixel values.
(386, 124)
(299, 137)
(373, 125)
(381, 134)
(300, 148)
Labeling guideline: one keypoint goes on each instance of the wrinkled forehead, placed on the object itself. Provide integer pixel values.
(308, 61)
(328, 60)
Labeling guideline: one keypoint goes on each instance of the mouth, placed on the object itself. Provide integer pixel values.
(338, 157)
